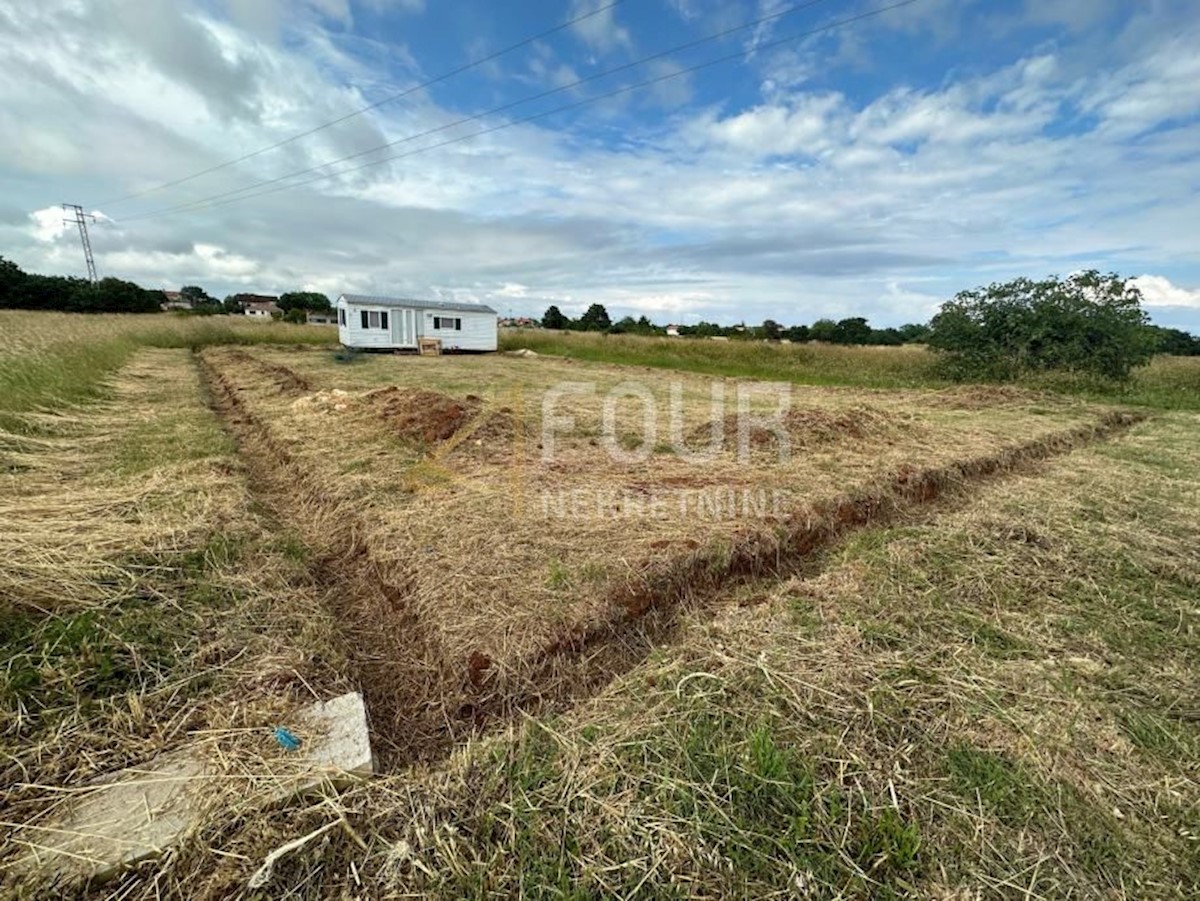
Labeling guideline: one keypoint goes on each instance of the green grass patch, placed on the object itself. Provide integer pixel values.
(998, 782)
(721, 795)
(63, 664)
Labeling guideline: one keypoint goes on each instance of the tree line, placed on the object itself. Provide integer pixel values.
(854, 330)
(27, 291)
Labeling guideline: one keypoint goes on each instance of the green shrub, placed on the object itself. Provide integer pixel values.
(1087, 323)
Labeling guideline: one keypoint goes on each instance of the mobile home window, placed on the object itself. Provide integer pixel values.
(342, 316)
(366, 321)
(447, 322)
(374, 319)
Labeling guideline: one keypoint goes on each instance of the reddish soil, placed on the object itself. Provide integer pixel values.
(422, 416)
(498, 433)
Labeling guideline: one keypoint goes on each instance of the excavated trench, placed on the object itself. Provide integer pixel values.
(422, 704)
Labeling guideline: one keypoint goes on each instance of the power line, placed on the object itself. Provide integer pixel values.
(366, 109)
(491, 112)
(224, 199)
(80, 218)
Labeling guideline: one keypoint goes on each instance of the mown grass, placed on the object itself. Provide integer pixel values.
(995, 698)
(1167, 383)
(992, 699)
(49, 360)
(141, 597)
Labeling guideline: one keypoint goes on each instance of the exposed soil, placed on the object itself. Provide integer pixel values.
(422, 416)
(492, 436)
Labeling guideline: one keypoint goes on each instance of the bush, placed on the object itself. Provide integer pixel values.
(1088, 323)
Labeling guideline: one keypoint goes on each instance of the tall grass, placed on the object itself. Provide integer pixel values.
(809, 364)
(1168, 382)
(49, 360)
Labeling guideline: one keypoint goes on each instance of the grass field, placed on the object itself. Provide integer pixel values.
(55, 359)
(954, 655)
(1171, 383)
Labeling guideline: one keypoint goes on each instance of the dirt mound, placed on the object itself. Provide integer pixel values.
(420, 415)
(804, 427)
(496, 433)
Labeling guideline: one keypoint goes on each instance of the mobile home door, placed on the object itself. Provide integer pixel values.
(404, 328)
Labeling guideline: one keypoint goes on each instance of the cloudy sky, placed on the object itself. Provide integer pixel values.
(824, 167)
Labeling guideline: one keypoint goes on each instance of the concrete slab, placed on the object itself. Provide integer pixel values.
(139, 812)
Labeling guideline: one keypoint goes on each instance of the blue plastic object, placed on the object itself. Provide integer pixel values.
(286, 739)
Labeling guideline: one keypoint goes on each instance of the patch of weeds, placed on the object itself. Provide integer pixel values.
(630, 441)
(1158, 735)
(881, 635)
(558, 575)
(801, 612)
(53, 663)
(995, 640)
(664, 447)
(1098, 843)
(593, 572)
(1000, 783)
(291, 547)
(735, 804)
(68, 661)
(220, 550)
(427, 474)
(764, 809)
(348, 356)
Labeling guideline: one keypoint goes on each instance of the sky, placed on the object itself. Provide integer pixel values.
(830, 162)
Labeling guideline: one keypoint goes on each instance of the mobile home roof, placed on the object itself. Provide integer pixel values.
(372, 300)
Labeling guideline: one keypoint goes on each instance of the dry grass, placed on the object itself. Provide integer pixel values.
(960, 666)
(145, 603)
(991, 699)
(495, 560)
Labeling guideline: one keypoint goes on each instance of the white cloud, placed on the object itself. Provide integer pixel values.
(600, 32)
(805, 204)
(1158, 291)
(47, 225)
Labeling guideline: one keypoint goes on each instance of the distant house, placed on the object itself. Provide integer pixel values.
(329, 318)
(672, 331)
(520, 322)
(397, 323)
(176, 301)
(262, 309)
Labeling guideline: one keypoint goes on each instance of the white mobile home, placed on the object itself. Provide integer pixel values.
(395, 323)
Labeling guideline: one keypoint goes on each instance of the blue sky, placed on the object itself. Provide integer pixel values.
(873, 169)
